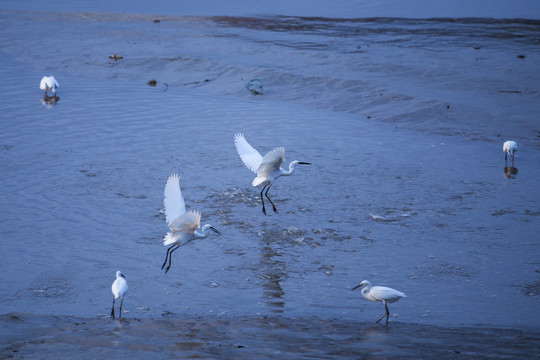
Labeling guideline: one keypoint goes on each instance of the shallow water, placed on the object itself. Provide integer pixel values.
(526, 9)
(475, 78)
(404, 190)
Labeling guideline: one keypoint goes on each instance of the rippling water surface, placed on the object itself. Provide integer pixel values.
(403, 121)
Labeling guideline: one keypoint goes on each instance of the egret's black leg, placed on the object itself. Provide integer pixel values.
(262, 199)
(112, 310)
(170, 258)
(121, 301)
(506, 159)
(167, 256)
(268, 197)
(387, 314)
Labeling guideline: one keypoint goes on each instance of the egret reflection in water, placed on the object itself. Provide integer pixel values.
(510, 172)
(49, 100)
(273, 270)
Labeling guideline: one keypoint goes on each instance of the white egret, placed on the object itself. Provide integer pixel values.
(380, 293)
(183, 224)
(267, 168)
(49, 83)
(119, 289)
(509, 147)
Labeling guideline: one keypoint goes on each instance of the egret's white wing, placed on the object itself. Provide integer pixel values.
(251, 157)
(384, 293)
(43, 83)
(510, 146)
(48, 81)
(271, 161)
(55, 83)
(187, 222)
(173, 200)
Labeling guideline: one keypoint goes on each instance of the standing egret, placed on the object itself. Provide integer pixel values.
(380, 293)
(509, 147)
(119, 289)
(49, 83)
(267, 168)
(183, 224)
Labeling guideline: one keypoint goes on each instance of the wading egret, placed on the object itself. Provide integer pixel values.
(183, 224)
(267, 168)
(49, 83)
(509, 147)
(119, 289)
(380, 293)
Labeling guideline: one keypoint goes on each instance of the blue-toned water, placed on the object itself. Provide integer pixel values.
(403, 121)
(500, 9)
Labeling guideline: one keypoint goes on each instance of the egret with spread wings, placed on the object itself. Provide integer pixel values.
(267, 168)
(183, 225)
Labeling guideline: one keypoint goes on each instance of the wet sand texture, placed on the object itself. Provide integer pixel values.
(248, 338)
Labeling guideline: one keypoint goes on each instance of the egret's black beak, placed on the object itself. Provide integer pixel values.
(215, 230)
(304, 163)
(123, 275)
(356, 287)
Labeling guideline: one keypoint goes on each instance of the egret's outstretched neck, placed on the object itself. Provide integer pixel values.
(366, 289)
(204, 232)
(291, 169)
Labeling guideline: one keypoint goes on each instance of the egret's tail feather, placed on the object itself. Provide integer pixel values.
(169, 239)
(258, 181)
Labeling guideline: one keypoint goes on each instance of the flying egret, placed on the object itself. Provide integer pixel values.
(267, 168)
(509, 147)
(119, 289)
(183, 224)
(380, 293)
(49, 83)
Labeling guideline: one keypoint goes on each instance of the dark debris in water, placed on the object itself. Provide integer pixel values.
(197, 82)
(255, 87)
(502, 212)
(434, 270)
(131, 196)
(532, 289)
(87, 173)
(508, 211)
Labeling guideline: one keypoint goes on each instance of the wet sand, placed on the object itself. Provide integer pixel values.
(30, 336)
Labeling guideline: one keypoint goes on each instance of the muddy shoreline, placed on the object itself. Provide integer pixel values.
(265, 337)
